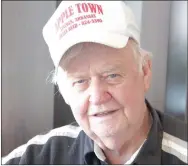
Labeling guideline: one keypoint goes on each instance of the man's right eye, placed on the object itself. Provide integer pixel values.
(79, 82)
(80, 85)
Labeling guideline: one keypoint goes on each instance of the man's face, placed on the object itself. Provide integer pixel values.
(105, 89)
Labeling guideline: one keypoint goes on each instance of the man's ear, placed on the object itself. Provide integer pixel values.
(147, 70)
(63, 94)
(61, 84)
(66, 101)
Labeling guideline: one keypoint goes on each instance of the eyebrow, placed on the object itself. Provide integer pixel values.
(106, 69)
(117, 66)
(111, 68)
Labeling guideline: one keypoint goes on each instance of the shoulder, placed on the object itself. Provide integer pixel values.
(42, 144)
(173, 126)
(174, 141)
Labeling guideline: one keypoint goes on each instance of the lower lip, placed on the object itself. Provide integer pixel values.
(110, 114)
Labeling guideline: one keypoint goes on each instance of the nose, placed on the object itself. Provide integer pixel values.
(98, 93)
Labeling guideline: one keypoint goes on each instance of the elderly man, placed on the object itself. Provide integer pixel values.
(103, 75)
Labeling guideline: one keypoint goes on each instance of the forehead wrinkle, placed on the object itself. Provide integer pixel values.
(84, 49)
(103, 50)
(117, 65)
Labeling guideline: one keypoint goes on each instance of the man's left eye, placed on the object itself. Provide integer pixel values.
(113, 75)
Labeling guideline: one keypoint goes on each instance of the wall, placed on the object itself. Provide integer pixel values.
(155, 38)
(136, 7)
(27, 99)
(153, 18)
(176, 86)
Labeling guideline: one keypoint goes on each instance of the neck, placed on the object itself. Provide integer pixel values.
(120, 156)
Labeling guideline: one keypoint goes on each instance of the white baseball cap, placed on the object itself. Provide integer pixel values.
(110, 23)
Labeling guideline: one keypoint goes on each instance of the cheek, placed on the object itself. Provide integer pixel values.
(131, 97)
(77, 102)
(79, 105)
(127, 92)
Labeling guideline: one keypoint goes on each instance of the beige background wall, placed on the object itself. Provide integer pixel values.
(27, 100)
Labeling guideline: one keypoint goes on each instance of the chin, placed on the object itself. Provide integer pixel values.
(111, 138)
(110, 130)
(106, 132)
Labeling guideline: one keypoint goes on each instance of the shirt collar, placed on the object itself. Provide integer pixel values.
(99, 153)
(151, 150)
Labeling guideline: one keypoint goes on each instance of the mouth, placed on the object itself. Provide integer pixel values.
(101, 114)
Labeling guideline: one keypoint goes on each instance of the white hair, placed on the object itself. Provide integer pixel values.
(139, 55)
